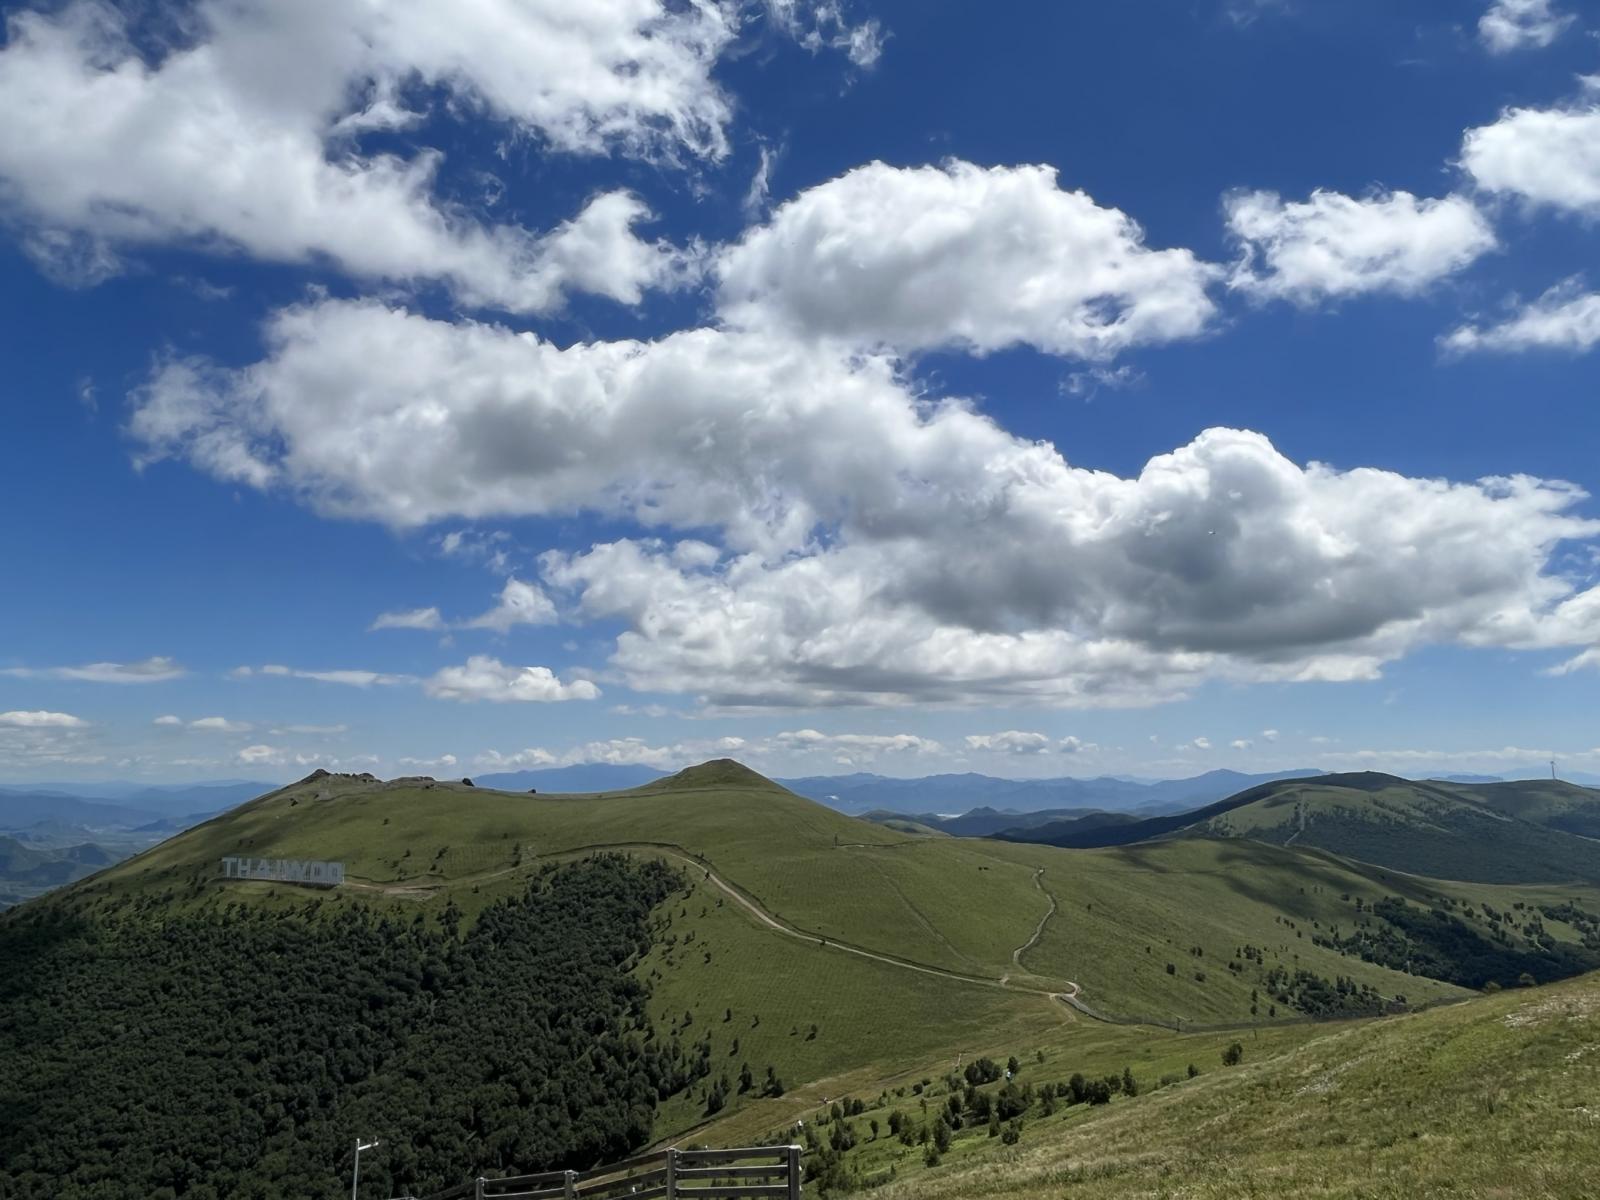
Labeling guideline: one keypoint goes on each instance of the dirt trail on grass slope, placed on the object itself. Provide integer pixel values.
(755, 909)
(751, 906)
(1038, 932)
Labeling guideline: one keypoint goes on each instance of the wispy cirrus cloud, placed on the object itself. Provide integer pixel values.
(262, 754)
(519, 603)
(156, 669)
(345, 677)
(204, 724)
(427, 619)
(481, 677)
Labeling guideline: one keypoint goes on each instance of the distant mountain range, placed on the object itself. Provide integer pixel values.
(119, 805)
(25, 809)
(145, 794)
(50, 835)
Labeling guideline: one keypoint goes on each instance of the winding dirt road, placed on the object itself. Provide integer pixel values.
(1016, 955)
(751, 906)
(423, 889)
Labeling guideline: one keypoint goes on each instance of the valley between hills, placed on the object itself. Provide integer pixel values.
(510, 981)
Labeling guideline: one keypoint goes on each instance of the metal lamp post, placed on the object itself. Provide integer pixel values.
(355, 1171)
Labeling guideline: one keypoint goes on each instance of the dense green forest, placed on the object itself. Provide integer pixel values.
(237, 1053)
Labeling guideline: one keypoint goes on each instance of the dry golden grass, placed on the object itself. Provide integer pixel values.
(1496, 1097)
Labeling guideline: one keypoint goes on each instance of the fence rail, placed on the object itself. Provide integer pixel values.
(750, 1171)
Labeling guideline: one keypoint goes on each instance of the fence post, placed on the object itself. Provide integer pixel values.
(477, 1188)
(569, 1186)
(672, 1174)
(793, 1172)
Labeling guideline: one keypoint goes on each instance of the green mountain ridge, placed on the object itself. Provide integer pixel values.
(1525, 832)
(801, 954)
(1453, 831)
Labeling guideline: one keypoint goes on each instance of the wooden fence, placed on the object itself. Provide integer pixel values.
(753, 1171)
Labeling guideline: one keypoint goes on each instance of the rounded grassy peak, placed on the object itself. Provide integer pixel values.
(719, 772)
(1362, 781)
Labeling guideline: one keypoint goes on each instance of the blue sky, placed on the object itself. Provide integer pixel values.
(1070, 389)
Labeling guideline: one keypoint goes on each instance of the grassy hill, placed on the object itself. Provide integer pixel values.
(1228, 918)
(810, 954)
(1552, 803)
(1487, 833)
(1450, 831)
(959, 905)
(1492, 1098)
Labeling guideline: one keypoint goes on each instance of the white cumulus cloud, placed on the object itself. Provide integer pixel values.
(262, 754)
(484, 678)
(1332, 246)
(624, 751)
(850, 540)
(1566, 318)
(1521, 24)
(1546, 156)
(1010, 741)
(220, 725)
(853, 747)
(518, 760)
(520, 604)
(41, 719)
(444, 760)
(244, 138)
(964, 256)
